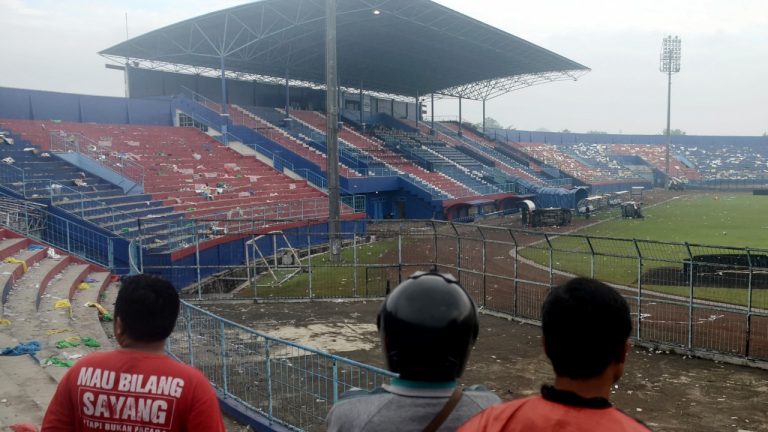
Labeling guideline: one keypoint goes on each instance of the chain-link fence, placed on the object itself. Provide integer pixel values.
(704, 300)
(288, 384)
(695, 297)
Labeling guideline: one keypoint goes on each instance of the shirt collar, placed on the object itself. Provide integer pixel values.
(563, 397)
(420, 388)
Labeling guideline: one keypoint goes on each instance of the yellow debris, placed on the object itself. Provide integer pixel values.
(98, 307)
(84, 286)
(5, 322)
(57, 331)
(62, 304)
(12, 260)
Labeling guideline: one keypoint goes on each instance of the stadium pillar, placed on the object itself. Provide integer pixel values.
(331, 128)
(417, 111)
(223, 88)
(126, 76)
(432, 113)
(224, 115)
(460, 133)
(287, 95)
(362, 121)
(484, 116)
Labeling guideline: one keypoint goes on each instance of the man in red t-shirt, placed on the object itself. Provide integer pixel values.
(137, 387)
(586, 326)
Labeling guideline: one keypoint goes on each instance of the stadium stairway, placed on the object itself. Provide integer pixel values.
(34, 278)
(285, 139)
(440, 185)
(348, 155)
(487, 148)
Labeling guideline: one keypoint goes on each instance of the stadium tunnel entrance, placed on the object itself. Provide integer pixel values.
(474, 207)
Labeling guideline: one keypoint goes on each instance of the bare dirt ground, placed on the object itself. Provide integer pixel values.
(667, 391)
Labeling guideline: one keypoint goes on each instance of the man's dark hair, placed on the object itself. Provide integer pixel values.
(586, 325)
(148, 307)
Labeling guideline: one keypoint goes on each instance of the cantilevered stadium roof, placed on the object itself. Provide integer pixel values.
(397, 47)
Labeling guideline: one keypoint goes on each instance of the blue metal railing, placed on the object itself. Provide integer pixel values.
(287, 383)
(67, 235)
(117, 162)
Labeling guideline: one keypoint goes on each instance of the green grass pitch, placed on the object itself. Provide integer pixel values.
(723, 219)
(739, 220)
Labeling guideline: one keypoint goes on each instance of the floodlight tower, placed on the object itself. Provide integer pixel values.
(670, 63)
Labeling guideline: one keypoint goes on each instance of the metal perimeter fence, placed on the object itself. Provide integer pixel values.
(703, 300)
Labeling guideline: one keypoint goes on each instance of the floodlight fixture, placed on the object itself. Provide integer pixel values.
(669, 64)
(670, 55)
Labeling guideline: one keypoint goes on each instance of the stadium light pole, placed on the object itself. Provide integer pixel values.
(669, 64)
(331, 131)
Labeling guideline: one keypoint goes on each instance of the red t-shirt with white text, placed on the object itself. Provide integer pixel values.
(133, 391)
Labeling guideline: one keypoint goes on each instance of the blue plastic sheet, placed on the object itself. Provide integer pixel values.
(31, 347)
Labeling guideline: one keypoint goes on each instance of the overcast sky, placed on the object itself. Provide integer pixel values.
(722, 88)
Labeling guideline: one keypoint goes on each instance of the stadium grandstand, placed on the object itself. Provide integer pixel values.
(215, 164)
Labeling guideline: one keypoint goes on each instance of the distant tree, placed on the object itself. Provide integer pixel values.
(543, 130)
(597, 132)
(765, 133)
(565, 131)
(490, 123)
(674, 132)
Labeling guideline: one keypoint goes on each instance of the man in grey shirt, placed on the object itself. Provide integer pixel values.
(428, 326)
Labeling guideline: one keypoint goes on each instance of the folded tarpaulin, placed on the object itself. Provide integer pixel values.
(30, 347)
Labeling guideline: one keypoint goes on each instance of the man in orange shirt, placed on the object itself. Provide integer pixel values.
(137, 387)
(586, 326)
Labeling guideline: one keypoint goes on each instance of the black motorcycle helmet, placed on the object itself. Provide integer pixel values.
(428, 325)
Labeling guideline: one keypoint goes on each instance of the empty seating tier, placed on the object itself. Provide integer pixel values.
(188, 174)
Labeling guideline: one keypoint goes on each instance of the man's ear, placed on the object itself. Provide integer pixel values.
(624, 352)
(118, 328)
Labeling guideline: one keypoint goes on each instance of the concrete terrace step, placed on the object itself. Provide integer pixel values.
(10, 246)
(21, 303)
(50, 318)
(25, 391)
(60, 286)
(27, 387)
(10, 273)
(86, 319)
